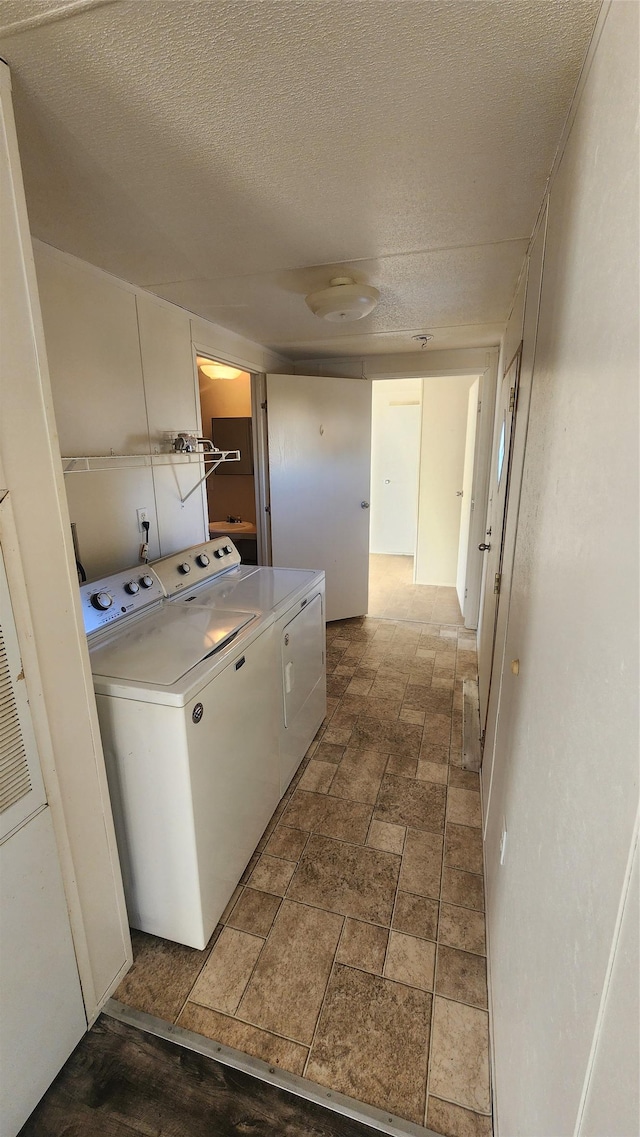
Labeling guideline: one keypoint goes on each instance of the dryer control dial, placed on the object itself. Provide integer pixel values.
(202, 560)
(184, 568)
(101, 601)
(146, 581)
(132, 587)
(226, 549)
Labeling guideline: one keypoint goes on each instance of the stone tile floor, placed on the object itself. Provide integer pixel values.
(353, 951)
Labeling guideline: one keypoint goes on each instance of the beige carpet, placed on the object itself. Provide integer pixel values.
(394, 596)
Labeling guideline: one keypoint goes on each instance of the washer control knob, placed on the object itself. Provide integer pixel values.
(226, 549)
(146, 581)
(132, 587)
(218, 552)
(184, 568)
(101, 601)
(202, 560)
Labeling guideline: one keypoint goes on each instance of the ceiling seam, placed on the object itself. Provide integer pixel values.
(401, 331)
(344, 261)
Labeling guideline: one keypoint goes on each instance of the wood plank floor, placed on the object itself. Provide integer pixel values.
(121, 1081)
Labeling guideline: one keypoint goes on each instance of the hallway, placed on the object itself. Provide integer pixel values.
(353, 952)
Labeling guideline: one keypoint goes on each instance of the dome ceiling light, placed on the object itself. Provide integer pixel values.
(218, 370)
(343, 300)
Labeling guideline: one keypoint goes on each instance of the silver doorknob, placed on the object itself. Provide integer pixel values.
(387, 481)
(484, 548)
(364, 505)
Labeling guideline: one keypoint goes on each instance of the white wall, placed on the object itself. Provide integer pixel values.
(565, 771)
(395, 462)
(123, 375)
(444, 428)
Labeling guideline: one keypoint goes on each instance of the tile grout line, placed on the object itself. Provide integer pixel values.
(324, 997)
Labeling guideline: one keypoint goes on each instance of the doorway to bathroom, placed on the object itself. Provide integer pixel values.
(226, 409)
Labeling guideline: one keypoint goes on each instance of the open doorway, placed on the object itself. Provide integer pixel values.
(396, 407)
(226, 409)
(423, 445)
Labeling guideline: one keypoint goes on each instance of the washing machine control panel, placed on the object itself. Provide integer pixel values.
(190, 567)
(115, 597)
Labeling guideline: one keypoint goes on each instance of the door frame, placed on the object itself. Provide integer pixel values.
(260, 412)
(487, 395)
(493, 570)
(260, 454)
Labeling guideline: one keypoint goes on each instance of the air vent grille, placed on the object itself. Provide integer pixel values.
(15, 781)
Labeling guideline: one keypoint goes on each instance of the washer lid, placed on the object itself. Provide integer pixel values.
(163, 647)
(264, 590)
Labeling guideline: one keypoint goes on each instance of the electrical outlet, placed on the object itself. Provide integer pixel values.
(143, 515)
(503, 842)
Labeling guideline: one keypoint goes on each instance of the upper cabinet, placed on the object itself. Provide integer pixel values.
(93, 347)
(168, 368)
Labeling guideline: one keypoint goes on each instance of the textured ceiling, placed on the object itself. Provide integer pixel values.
(230, 156)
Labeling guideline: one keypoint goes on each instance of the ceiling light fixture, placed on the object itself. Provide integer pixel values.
(218, 370)
(343, 300)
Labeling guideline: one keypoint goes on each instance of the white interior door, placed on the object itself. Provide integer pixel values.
(467, 492)
(319, 435)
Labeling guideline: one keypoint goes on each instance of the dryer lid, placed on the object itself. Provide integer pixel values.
(161, 648)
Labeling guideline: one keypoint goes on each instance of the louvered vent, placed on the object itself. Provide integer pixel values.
(15, 781)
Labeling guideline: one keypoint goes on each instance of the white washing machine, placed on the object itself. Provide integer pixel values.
(296, 598)
(188, 702)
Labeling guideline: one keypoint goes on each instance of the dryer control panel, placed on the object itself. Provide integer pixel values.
(181, 571)
(122, 594)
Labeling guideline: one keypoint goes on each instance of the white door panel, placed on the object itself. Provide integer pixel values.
(319, 432)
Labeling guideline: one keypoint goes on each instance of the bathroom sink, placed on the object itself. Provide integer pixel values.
(222, 528)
